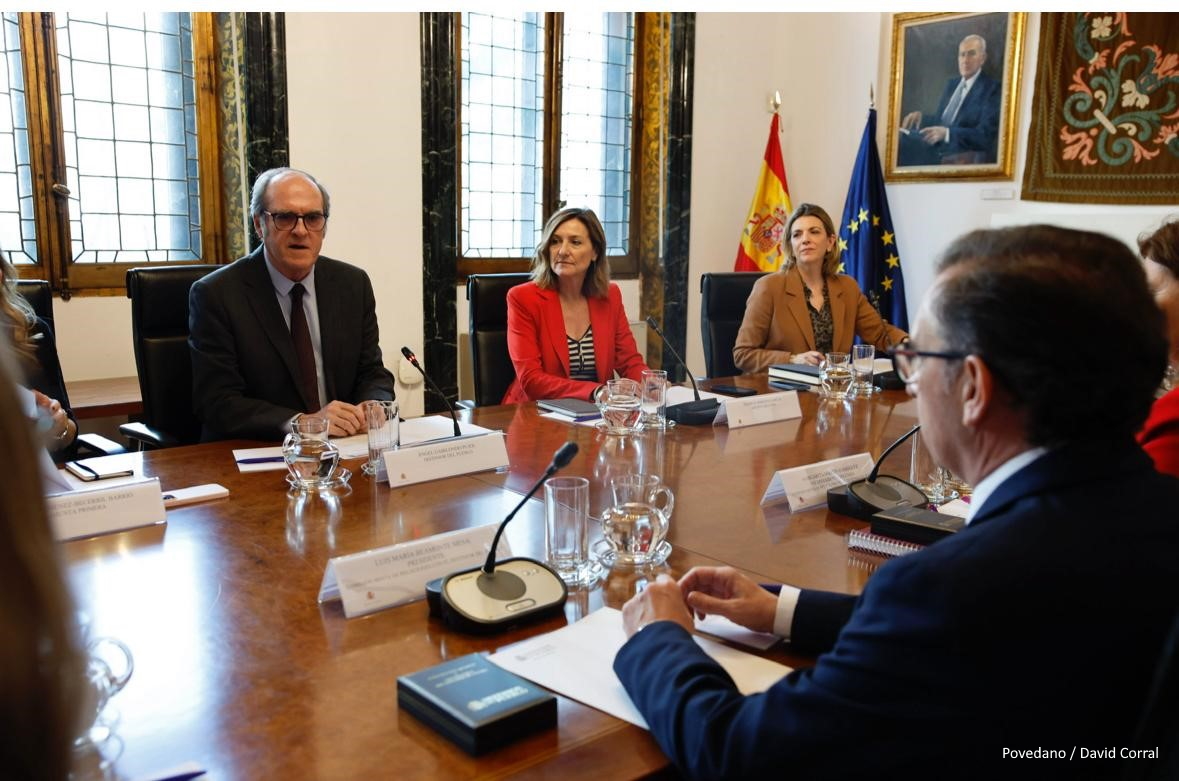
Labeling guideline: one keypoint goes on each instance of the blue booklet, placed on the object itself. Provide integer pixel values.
(475, 703)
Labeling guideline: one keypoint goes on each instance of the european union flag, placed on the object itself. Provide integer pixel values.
(866, 236)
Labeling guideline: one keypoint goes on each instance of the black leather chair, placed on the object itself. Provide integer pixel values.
(159, 330)
(722, 307)
(40, 296)
(487, 295)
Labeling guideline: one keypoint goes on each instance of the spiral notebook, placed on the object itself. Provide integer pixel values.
(865, 540)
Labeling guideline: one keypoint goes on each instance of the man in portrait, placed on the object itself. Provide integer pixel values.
(964, 130)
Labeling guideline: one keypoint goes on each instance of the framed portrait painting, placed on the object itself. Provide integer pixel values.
(955, 89)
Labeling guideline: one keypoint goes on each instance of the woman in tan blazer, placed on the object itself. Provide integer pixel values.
(807, 309)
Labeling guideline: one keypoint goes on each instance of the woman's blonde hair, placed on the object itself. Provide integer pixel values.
(597, 279)
(16, 315)
(831, 259)
(41, 663)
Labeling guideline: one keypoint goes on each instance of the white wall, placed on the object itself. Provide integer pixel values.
(355, 121)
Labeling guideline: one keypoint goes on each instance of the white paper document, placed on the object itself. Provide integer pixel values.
(259, 459)
(418, 430)
(719, 626)
(678, 394)
(577, 661)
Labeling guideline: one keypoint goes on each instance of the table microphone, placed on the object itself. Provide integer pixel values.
(409, 356)
(864, 498)
(500, 594)
(691, 413)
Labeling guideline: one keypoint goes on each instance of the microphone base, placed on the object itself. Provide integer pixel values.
(862, 499)
(518, 591)
(694, 413)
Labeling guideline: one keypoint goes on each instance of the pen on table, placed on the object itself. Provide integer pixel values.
(185, 772)
(261, 460)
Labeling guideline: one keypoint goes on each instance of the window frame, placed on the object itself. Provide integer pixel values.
(47, 155)
(622, 266)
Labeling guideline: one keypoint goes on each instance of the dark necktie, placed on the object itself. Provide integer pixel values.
(304, 352)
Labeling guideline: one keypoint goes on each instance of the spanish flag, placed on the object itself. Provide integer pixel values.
(761, 241)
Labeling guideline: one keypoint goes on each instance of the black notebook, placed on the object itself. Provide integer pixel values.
(576, 409)
(476, 704)
(916, 524)
(795, 372)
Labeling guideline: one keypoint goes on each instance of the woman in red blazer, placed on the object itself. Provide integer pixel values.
(567, 330)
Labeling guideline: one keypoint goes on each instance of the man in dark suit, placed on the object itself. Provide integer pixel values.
(965, 127)
(284, 330)
(1037, 627)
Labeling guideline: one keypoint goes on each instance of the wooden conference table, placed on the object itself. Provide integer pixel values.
(238, 669)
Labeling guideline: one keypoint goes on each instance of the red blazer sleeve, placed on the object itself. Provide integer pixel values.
(1160, 436)
(618, 352)
(540, 355)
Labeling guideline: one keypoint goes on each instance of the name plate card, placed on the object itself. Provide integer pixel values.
(105, 509)
(395, 574)
(805, 487)
(764, 408)
(445, 458)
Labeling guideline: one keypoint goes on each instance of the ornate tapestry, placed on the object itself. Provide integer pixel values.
(1105, 113)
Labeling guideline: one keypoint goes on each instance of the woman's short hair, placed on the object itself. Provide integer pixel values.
(831, 259)
(597, 278)
(1162, 246)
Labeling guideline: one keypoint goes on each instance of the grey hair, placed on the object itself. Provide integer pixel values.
(981, 40)
(262, 183)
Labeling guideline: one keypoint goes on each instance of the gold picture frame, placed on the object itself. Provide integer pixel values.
(936, 129)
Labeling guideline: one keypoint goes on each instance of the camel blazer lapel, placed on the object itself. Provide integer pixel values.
(842, 315)
(796, 305)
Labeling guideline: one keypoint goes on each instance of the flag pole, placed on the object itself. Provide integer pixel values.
(775, 102)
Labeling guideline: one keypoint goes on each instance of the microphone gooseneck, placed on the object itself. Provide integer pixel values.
(409, 356)
(700, 412)
(655, 327)
(889, 449)
(561, 459)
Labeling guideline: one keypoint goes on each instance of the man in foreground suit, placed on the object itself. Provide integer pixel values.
(284, 330)
(965, 127)
(1036, 627)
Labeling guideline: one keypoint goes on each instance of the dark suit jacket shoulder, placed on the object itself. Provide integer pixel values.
(1038, 625)
(243, 359)
(976, 128)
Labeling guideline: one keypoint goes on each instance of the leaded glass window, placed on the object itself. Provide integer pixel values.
(108, 146)
(546, 120)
